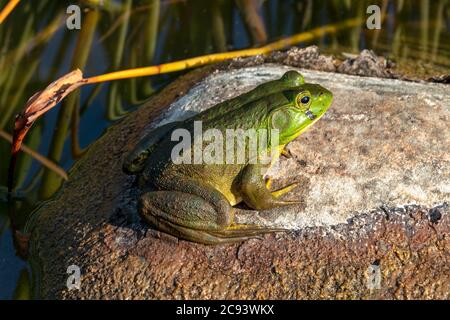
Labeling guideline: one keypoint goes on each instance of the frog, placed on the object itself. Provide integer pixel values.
(199, 202)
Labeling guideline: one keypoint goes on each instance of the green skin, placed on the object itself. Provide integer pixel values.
(196, 201)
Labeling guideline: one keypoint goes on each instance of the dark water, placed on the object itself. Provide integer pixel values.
(36, 48)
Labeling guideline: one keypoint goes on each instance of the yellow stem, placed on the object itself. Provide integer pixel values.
(8, 9)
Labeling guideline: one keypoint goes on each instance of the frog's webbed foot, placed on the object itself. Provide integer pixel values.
(199, 236)
(227, 235)
(240, 229)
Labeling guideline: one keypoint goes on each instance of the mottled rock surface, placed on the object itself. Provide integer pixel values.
(374, 176)
(366, 64)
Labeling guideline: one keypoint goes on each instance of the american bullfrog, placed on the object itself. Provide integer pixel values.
(197, 201)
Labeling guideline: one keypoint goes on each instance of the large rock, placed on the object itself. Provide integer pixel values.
(374, 177)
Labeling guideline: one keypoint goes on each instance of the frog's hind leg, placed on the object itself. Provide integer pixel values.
(203, 216)
(230, 235)
(186, 210)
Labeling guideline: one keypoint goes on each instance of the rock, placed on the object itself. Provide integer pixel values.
(307, 58)
(366, 64)
(375, 180)
(445, 78)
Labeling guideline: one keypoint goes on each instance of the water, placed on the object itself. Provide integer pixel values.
(37, 48)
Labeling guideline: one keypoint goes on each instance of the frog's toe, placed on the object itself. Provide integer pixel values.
(278, 193)
(286, 153)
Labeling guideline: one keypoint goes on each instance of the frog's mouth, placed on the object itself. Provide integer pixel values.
(314, 118)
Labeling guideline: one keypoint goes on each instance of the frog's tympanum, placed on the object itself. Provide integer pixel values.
(196, 201)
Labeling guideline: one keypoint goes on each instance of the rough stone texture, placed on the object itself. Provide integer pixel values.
(382, 145)
(366, 64)
(441, 79)
(307, 58)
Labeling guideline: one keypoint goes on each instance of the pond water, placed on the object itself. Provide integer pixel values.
(37, 47)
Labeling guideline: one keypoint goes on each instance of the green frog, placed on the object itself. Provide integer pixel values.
(197, 201)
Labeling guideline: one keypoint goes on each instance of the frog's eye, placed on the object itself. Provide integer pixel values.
(303, 100)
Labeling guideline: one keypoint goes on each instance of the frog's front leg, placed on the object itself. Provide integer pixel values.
(255, 192)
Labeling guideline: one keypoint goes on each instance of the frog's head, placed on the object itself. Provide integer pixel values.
(306, 105)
